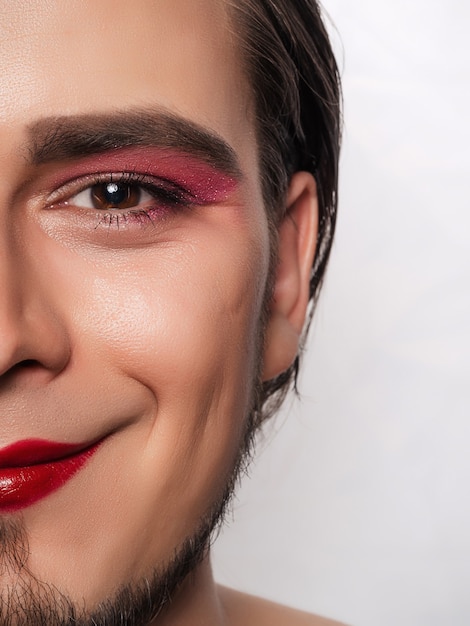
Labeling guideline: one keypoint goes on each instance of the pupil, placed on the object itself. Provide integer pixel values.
(115, 195)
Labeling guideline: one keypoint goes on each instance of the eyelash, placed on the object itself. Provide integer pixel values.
(169, 197)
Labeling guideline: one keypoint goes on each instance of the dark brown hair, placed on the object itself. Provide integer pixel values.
(297, 97)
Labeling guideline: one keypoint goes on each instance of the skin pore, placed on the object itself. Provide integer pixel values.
(135, 258)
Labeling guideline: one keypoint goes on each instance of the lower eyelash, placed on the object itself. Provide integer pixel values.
(142, 217)
(166, 199)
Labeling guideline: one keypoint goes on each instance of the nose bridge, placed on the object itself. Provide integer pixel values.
(30, 329)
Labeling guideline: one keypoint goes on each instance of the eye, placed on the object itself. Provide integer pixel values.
(121, 198)
(121, 192)
(110, 195)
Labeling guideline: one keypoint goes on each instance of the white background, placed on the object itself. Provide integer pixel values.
(359, 507)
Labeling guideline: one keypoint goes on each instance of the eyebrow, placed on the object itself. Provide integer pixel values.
(69, 137)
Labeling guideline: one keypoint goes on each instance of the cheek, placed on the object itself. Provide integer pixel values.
(174, 329)
(178, 327)
(180, 314)
(175, 321)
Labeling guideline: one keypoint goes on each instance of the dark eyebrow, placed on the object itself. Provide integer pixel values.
(69, 137)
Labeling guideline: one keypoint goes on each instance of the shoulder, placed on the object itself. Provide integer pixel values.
(242, 609)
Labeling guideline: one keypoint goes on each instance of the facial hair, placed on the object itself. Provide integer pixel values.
(25, 600)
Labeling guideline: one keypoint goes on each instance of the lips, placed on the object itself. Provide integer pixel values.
(32, 469)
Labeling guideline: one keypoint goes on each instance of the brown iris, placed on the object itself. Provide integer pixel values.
(115, 195)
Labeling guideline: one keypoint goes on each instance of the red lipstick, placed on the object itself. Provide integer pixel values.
(33, 468)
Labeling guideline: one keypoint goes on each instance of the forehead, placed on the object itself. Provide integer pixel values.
(82, 56)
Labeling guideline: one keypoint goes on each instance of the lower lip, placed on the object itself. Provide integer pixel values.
(30, 470)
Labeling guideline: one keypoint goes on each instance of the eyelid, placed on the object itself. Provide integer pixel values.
(202, 183)
(146, 181)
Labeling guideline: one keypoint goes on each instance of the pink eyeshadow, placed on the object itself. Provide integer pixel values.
(204, 182)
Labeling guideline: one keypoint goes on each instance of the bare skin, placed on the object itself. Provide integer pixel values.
(245, 610)
(234, 608)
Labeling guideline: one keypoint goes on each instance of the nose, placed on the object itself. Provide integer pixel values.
(31, 330)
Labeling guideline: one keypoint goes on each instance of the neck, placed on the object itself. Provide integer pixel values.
(196, 602)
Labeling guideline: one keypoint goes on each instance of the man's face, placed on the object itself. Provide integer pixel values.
(133, 272)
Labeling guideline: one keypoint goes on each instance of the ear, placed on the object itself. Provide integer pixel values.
(297, 242)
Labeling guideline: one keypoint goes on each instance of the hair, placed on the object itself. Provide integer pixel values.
(297, 99)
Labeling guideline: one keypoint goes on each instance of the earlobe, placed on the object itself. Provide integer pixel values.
(297, 242)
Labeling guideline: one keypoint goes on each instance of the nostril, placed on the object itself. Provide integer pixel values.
(27, 370)
(27, 363)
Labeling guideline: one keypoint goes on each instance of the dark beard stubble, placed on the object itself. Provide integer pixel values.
(27, 601)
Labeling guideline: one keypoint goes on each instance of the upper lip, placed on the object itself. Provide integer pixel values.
(27, 452)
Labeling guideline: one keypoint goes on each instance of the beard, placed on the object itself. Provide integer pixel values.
(25, 600)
